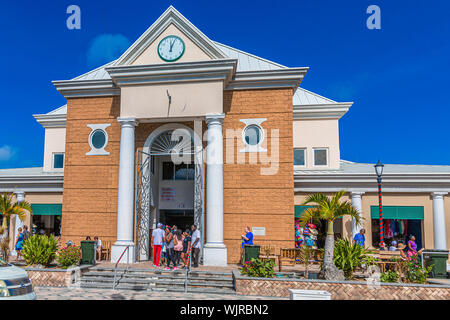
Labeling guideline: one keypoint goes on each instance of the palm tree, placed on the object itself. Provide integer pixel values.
(328, 209)
(9, 209)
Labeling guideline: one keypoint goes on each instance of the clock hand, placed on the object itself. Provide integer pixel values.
(171, 45)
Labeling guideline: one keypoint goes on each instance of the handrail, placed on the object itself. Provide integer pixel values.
(127, 249)
(188, 270)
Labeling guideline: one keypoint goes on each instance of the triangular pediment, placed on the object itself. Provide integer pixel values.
(198, 47)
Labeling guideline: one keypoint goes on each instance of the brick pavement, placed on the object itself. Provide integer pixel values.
(53, 293)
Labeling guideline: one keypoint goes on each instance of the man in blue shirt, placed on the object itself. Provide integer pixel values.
(360, 238)
(247, 238)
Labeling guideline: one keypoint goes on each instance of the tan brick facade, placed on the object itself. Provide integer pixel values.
(90, 182)
(252, 199)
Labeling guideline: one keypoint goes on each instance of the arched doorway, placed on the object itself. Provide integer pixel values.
(169, 183)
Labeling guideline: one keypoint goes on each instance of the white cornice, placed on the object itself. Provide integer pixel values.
(211, 70)
(51, 120)
(321, 111)
(86, 88)
(170, 16)
(267, 79)
(412, 182)
(32, 183)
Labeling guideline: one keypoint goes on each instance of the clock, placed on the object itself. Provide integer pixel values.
(171, 48)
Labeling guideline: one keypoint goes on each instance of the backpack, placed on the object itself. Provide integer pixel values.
(178, 245)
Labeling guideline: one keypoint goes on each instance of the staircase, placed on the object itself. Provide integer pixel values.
(159, 280)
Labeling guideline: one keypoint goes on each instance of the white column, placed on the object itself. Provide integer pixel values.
(215, 252)
(357, 204)
(20, 196)
(125, 205)
(440, 238)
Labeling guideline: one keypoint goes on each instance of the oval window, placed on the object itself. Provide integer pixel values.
(98, 139)
(253, 135)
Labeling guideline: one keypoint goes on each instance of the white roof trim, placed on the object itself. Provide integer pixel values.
(170, 16)
(321, 111)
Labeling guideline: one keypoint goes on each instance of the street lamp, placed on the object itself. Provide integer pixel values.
(379, 171)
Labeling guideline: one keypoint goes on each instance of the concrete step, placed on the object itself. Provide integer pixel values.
(123, 286)
(93, 274)
(160, 282)
(162, 271)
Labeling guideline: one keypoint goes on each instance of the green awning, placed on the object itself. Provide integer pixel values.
(47, 209)
(398, 212)
(300, 209)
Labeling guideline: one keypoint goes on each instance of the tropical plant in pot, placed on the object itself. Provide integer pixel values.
(329, 209)
(40, 250)
(351, 255)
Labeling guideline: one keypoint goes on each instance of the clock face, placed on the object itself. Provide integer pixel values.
(171, 48)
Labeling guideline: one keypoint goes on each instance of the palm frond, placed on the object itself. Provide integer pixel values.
(310, 215)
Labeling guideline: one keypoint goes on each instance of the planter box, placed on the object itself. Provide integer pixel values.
(296, 294)
(340, 290)
(55, 277)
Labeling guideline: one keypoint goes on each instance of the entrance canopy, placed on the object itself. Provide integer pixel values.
(398, 212)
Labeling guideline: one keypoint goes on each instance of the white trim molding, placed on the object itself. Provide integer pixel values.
(321, 111)
(212, 70)
(51, 120)
(170, 16)
(253, 122)
(98, 151)
(86, 88)
(268, 79)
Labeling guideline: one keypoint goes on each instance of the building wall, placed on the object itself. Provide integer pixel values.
(55, 142)
(447, 220)
(252, 199)
(90, 182)
(320, 133)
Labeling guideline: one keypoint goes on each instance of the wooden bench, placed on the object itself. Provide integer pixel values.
(291, 257)
(386, 259)
(268, 252)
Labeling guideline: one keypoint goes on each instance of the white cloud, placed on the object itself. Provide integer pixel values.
(6, 153)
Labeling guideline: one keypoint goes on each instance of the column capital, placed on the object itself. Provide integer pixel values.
(127, 122)
(357, 193)
(214, 119)
(438, 194)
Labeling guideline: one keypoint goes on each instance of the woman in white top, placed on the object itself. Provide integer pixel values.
(98, 245)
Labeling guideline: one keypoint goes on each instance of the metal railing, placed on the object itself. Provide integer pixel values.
(127, 249)
(188, 270)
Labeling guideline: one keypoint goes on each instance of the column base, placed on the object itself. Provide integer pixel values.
(215, 255)
(118, 248)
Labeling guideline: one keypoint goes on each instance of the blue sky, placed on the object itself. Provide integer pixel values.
(397, 76)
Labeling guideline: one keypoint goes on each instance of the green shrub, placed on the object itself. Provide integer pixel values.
(414, 272)
(69, 256)
(349, 256)
(258, 268)
(389, 276)
(39, 250)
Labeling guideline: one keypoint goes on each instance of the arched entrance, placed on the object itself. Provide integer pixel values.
(169, 183)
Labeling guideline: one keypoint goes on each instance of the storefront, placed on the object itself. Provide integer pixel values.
(399, 222)
(46, 219)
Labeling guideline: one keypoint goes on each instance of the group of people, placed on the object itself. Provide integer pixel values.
(171, 246)
(98, 247)
(23, 234)
(406, 251)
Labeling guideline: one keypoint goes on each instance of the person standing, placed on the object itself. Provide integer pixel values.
(19, 243)
(360, 237)
(247, 239)
(169, 247)
(186, 248)
(98, 247)
(178, 247)
(412, 246)
(157, 243)
(195, 245)
(26, 233)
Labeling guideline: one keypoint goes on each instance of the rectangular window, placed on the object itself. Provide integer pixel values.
(299, 157)
(58, 160)
(320, 157)
(168, 171)
(181, 171)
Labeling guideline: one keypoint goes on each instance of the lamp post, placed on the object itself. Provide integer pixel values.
(379, 171)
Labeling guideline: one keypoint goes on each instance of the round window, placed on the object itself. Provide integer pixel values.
(98, 139)
(253, 135)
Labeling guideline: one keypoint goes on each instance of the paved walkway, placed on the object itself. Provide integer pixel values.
(53, 293)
